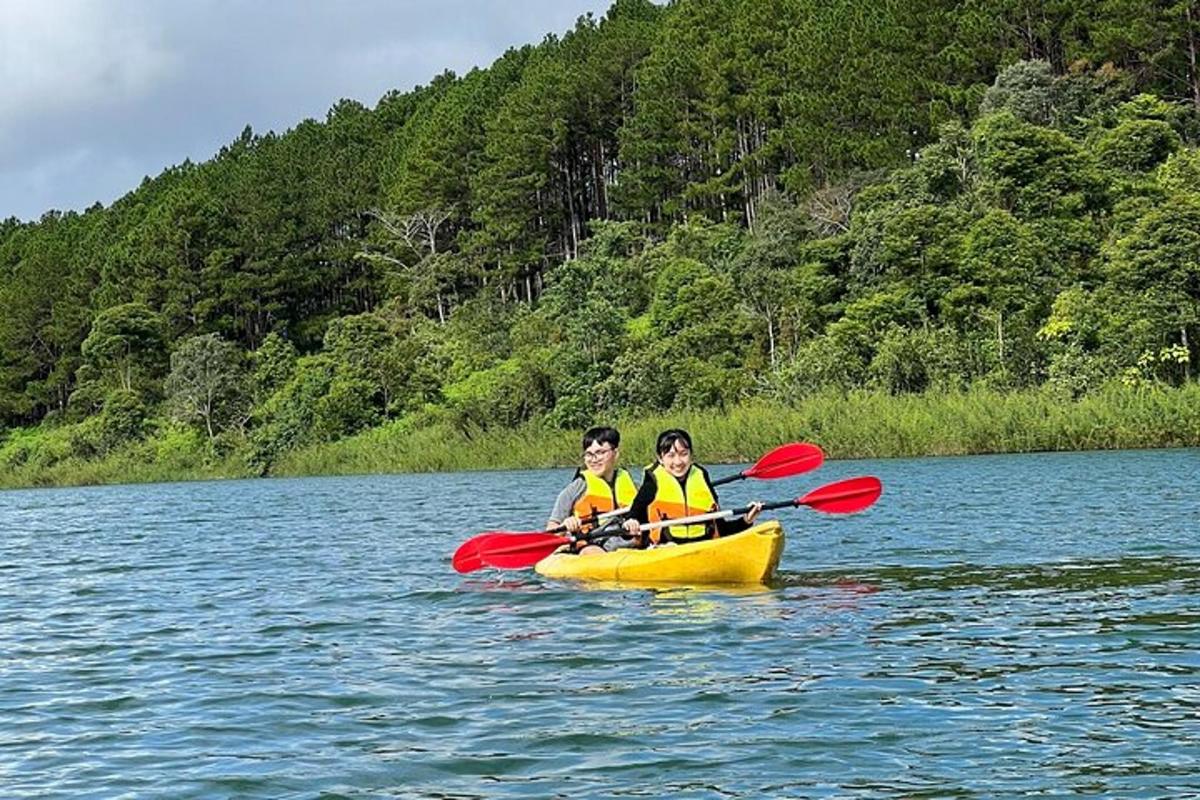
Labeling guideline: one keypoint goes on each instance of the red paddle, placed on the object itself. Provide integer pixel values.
(466, 557)
(782, 462)
(500, 544)
(842, 497)
(521, 550)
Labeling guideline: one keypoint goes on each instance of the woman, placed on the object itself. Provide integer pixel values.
(675, 487)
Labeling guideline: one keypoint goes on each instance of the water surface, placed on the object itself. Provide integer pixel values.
(996, 626)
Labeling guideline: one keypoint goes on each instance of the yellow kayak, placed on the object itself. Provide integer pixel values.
(749, 557)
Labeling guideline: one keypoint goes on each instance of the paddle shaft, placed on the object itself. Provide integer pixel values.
(728, 513)
(590, 519)
(728, 479)
(852, 494)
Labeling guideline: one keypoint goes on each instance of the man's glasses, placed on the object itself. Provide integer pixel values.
(596, 455)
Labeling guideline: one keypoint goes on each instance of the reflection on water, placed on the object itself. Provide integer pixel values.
(1083, 576)
(705, 605)
(308, 639)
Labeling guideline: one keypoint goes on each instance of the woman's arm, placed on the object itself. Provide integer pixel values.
(728, 527)
(640, 508)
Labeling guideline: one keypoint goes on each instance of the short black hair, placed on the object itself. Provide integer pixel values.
(603, 435)
(667, 440)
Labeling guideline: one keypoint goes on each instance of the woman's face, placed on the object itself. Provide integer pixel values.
(677, 460)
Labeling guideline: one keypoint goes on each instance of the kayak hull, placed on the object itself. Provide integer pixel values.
(749, 557)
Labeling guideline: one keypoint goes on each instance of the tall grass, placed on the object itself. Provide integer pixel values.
(131, 466)
(45, 457)
(855, 425)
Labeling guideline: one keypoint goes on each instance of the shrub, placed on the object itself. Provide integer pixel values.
(1137, 145)
(350, 405)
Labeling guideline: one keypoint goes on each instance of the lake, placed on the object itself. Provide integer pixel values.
(1024, 625)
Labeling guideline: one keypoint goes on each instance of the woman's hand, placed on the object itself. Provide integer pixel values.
(632, 527)
(572, 524)
(755, 509)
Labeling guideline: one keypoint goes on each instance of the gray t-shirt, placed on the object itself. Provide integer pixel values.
(564, 507)
(567, 498)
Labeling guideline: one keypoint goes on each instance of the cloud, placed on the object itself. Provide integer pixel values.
(97, 94)
(72, 56)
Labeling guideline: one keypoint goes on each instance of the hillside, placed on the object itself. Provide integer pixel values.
(671, 209)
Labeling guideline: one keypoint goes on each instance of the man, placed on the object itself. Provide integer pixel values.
(599, 486)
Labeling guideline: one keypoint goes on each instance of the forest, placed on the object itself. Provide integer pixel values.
(669, 209)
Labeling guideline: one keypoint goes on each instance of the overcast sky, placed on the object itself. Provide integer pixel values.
(97, 94)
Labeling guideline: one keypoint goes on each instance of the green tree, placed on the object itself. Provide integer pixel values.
(1075, 331)
(47, 276)
(207, 383)
(1003, 288)
(347, 407)
(272, 365)
(1137, 145)
(1034, 171)
(1026, 90)
(911, 246)
(1180, 173)
(365, 350)
(288, 418)
(121, 420)
(1156, 270)
(126, 346)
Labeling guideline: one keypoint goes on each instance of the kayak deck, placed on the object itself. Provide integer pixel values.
(749, 557)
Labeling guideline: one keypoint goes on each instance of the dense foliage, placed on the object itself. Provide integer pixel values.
(679, 207)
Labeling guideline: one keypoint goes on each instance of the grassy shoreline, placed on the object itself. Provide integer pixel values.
(858, 425)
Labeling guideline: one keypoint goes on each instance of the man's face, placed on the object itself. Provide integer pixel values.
(599, 458)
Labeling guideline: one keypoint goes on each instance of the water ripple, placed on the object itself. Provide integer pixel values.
(307, 639)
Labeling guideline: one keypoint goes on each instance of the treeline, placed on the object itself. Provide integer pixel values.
(669, 207)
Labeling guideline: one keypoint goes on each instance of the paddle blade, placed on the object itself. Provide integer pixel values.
(787, 460)
(466, 557)
(518, 551)
(844, 497)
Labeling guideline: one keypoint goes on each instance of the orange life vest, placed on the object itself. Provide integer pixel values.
(601, 496)
(675, 500)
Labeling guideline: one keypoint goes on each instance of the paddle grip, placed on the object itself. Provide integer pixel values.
(604, 533)
(590, 519)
